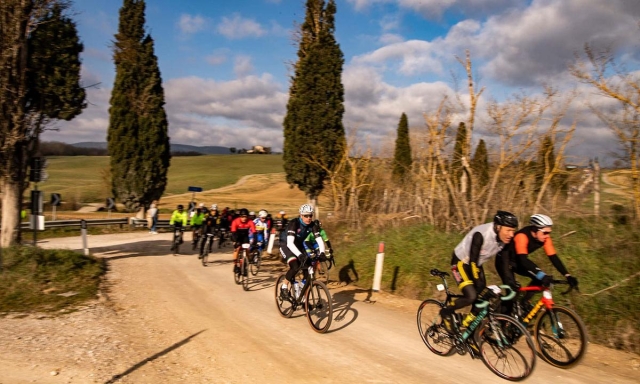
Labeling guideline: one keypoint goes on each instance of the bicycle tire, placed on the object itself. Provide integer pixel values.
(319, 306)
(244, 268)
(256, 263)
(176, 245)
(568, 349)
(237, 276)
(515, 359)
(322, 273)
(285, 307)
(431, 330)
(205, 258)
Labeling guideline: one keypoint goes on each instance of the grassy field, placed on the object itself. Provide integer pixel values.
(80, 179)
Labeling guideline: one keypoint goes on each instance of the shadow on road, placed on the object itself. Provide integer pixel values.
(153, 357)
(343, 313)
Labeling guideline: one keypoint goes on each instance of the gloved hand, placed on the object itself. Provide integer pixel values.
(236, 245)
(322, 256)
(495, 289)
(573, 282)
(546, 280)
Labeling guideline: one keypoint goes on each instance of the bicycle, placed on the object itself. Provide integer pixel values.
(500, 341)
(196, 238)
(242, 262)
(177, 239)
(559, 333)
(314, 297)
(255, 260)
(206, 243)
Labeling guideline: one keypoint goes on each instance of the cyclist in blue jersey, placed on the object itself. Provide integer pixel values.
(262, 230)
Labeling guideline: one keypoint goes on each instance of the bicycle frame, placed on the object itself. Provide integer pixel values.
(546, 300)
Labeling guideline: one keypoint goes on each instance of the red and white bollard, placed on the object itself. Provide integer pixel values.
(377, 275)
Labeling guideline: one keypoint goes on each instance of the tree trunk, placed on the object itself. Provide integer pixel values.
(596, 189)
(11, 198)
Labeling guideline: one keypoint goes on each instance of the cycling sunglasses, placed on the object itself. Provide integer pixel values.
(307, 216)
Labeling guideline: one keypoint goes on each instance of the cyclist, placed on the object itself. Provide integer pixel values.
(292, 244)
(515, 257)
(209, 227)
(242, 231)
(196, 224)
(281, 222)
(262, 229)
(179, 220)
(477, 247)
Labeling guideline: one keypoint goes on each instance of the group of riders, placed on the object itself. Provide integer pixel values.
(302, 235)
(500, 240)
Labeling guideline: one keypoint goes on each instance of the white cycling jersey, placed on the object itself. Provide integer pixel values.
(491, 245)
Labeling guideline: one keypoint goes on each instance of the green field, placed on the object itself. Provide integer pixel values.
(80, 178)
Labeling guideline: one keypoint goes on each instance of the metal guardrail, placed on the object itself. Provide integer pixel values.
(132, 221)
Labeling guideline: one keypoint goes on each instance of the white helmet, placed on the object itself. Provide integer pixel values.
(282, 212)
(214, 207)
(201, 205)
(252, 213)
(262, 213)
(540, 221)
(306, 209)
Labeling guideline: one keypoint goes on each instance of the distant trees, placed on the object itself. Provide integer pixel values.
(138, 138)
(314, 137)
(39, 82)
(402, 154)
(480, 164)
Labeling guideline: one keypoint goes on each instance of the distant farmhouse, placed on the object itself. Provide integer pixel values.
(259, 149)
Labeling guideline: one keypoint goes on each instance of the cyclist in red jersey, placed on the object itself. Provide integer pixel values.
(242, 231)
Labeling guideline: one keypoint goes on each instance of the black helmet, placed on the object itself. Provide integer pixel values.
(180, 206)
(506, 219)
(244, 212)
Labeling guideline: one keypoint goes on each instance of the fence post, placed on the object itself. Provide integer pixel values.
(377, 275)
(272, 240)
(83, 230)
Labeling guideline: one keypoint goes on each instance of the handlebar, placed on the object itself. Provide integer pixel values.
(436, 272)
(565, 283)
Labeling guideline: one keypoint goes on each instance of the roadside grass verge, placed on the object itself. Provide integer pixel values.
(599, 254)
(40, 280)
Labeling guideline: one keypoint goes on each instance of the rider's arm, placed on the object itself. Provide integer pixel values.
(474, 254)
(172, 219)
(503, 261)
(521, 245)
(553, 256)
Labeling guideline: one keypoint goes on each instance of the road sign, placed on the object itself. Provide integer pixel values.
(110, 203)
(192, 205)
(55, 199)
(195, 189)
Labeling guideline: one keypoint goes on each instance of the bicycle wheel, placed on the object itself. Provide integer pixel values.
(561, 337)
(244, 268)
(205, 255)
(322, 272)
(285, 306)
(176, 245)
(256, 262)
(319, 307)
(432, 332)
(506, 348)
(237, 275)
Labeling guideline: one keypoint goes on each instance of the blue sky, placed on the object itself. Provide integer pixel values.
(225, 63)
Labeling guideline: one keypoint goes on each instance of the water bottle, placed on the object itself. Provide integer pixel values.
(296, 288)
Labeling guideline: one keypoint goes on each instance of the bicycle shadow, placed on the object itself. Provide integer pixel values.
(343, 310)
(261, 281)
(149, 359)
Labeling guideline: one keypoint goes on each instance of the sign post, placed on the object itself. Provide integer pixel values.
(192, 204)
(377, 275)
(110, 205)
(55, 201)
(83, 232)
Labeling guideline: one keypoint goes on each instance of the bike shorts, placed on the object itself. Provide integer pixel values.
(463, 274)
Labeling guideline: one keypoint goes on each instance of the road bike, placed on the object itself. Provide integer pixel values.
(559, 333)
(178, 233)
(206, 243)
(313, 296)
(242, 263)
(196, 238)
(255, 259)
(501, 342)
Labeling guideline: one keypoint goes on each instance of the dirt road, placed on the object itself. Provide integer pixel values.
(167, 319)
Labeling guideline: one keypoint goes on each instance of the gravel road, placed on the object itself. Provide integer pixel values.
(168, 319)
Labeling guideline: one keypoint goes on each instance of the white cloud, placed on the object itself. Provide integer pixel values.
(237, 27)
(391, 38)
(189, 24)
(242, 66)
(218, 57)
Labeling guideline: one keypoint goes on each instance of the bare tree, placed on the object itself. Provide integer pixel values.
(599, 70)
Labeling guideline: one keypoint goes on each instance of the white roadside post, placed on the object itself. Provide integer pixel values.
(377, 275)
(272, 240)
(83, 230)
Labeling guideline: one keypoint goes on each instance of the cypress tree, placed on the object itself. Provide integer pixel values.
(459, 151)
(138, 138)
(39, 82)
(402, 155)
(313, 132)
(480, 164)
